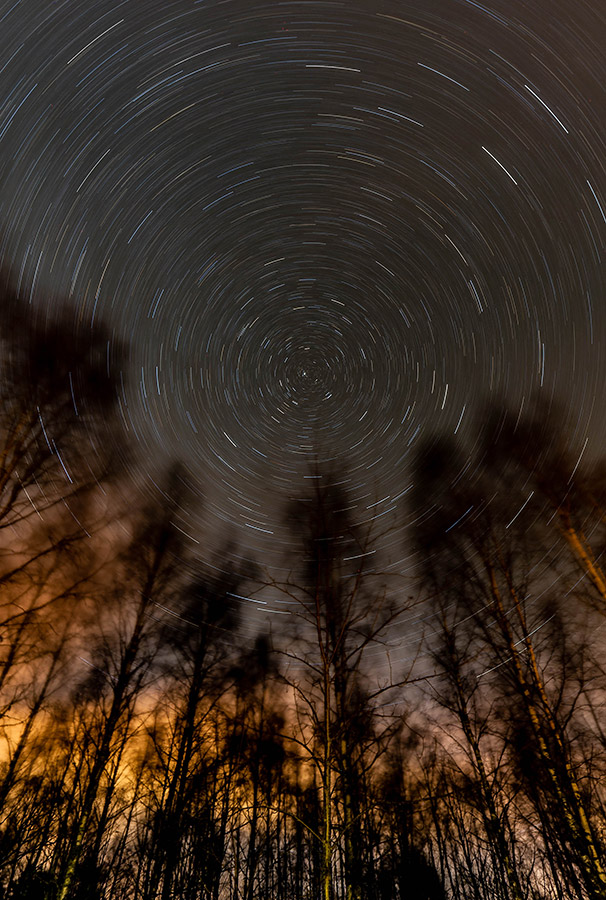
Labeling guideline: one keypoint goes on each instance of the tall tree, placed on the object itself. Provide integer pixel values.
(151, 569)
(478, 546)
(199, 636)
(341, 611)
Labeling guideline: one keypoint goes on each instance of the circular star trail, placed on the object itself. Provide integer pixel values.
(324, 228)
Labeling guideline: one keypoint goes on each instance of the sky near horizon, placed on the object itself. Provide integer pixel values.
(323, 228)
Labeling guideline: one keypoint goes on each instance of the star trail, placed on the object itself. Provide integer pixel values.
(325, 229)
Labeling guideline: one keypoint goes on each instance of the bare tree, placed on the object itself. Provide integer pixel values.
(341, 611)
(151, 570)
(472, 552)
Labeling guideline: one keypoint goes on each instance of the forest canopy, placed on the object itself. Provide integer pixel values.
(150, 749)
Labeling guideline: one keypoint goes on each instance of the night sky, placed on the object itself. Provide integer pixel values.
(325, 229)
